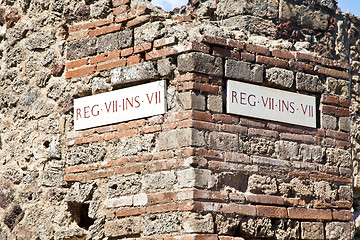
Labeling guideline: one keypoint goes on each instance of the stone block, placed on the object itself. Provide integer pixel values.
(193, 177)
(310, 153)
(53, 174)
(312, 230)
(79, 193)
(243, 70)
(158, 181)
(328, 122)
(262, 184)
(345, 193)
(344, 124)
(140, 199)
(223, 141)
(115, 41)
(81, 48)
(201, 63)
(148, 32)
(180, 138)
(339, 231)
(323, 191)
(161, 223)
(267, 8)
(253, 24)
(337, 87)
(215, 103)
(123, 227)
(307, 82)
(133, 73)
(197, 223)
(165, 67)
(338, 157)
(41, 40)
(287, 150)
(192, 100)
(80, 155)
(280, 77)
(119, 186)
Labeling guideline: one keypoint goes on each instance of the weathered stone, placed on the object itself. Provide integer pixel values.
(79, 193)
(134, 73)
(115, 41)
(280, 77)
(158, 180)
(287, 150)
(339, 231)
(262, 184)
(310, 153)
(337, 87)
(14, 57)
(42, 78)
(287, 229)
(345, 193)
(323, 191)
(338, 157)
(80, 48)
(66, 233)
(15, 34)
(252, 24)
(307, 82)
(243, 70)
(13, 216)
(193, 177)
(119, 186)
(100, 9)
(99, 85)
(297, 188)
(54, 148)
(198, 223)
(328, 122)
(161, 223)
(6, 196)
(268, 8)
(148, 32)
(47, 58)
(233, 180)
(192, 100)
(180, 138)
(29, 98)
(96, 231)
(256, 227)
(226, 225)
(344, 124)
(132, 145)
(80, 154)
(312, 230)
(215, 103)
(201, 63)
(41, 109)
(53, 174)
(223, 141)
(165, 67)
(40, 41)
(256, 146)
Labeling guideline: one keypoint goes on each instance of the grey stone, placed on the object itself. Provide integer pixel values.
(99, 85)
(180, 138)
(312, 230)
(310, 153)
(192, 100)
(15, 34)
(14, 57)
(331, 4)
(42, 78)
(226, 225)
(54, 148)
(262, 184)
(307, 82)
(165, 67)
(40, 41)
(344, 124)
(243, 70)
(100, 9)
(251, 24)
(114, 41)
(338, 157)
(224, 141)
(63, 233)
(339, 231)
(328, 122)
(13, 216)
(135, 144)
(148, 32)
(53, 174)
(345, 193)
(337, 87)
(47, 58)
(96, 231)
(268, 8)
(41, 109)
(257, 227)
(287, 150)
(280, 77)
(201, 63)
(133, 73)
(29, 98)
(79, 193)
(55, 88)
(161, 223)
(197, 223)
(80, 48)
(158, 180)
(120, 186)
(323, 191)
(215, 103)
(256, 146)
(287, 229)
(81, 154)
(193, 177)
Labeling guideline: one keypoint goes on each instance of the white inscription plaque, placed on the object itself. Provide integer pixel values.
(120, 105)
(271, 104)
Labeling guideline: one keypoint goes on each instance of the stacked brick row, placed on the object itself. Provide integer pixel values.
(197, 172)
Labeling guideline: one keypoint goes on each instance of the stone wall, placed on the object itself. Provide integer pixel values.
(195, 172)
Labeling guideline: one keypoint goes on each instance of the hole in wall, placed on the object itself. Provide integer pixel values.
(80, 213)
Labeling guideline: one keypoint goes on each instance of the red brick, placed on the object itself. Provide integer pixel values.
(253, 123)
(110, 65)
(105, 57)
(80, 72)
(202, 116)
(264, 199)
(297, 137)
(222, 52)
(116, 3)
(235, 44)
(121, 9)
(213, 154)
(91, 24)
(163, 197)
(332, 72)
(77, 35)
(272, 61)
(133, 59)
(342, 215)
(127, 52)
(257, 49)
(138, 20)
(308, 213)
(338, 135)
(213, 40)
(237, 158)
(225, 118)
(155, 166)
(342, 144)
(77, 63)
(301, 66)
(248, 57)
(105, 30)
(342, 204)
(96, 175)
(329, 177)
(126, 133)
(196, 46)
(282, 54)
(262, 133)
(131, 124)
(162, 155)
(336, 111)
(198, 124)
(81, 168)
(271, 211)
(128, 169)
(142, 48)
(344, 102)
(210, 195)
(233, 128)
(113, 163)
(151, 129)
(130, 212)
(161, 53)
(73, 178)
(168, 207)
(164, 42)
(230, 238)
(307, 57)
(328, 99)
(204, 87)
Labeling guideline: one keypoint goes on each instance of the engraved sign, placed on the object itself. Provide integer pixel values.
(271, 104)
(120, 105)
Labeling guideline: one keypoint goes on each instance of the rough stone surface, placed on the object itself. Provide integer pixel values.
(201, 63)
(199, 178)
(197, 223)
(133, 73)
(83, 47)
(123, 227)
(114, 41)
(280, 77)
(242, 70)
(161, 223)
(262, 184)
(308, 82)
(338, 230)
(312, 230)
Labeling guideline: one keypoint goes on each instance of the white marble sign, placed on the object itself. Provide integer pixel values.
(271, 104)
(120, 105)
